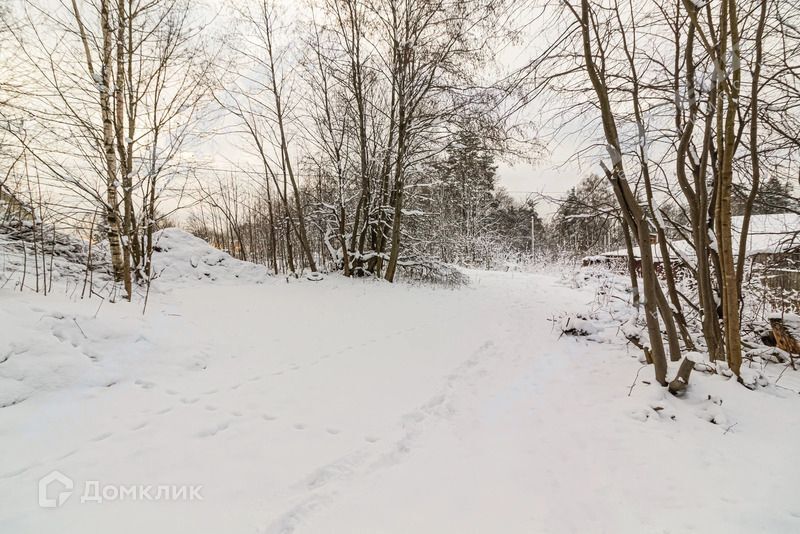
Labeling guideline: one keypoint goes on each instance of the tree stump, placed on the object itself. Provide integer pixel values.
(681, 380)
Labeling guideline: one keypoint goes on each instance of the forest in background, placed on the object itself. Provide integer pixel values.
(373, 130)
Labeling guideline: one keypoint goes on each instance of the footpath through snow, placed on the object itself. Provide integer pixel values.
(304, 407)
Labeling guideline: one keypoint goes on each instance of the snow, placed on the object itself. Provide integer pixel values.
(684, 250)
(338, 405)
(412, 213)
(788, 319)
(766, 234)
(578, 326)
(181, 258)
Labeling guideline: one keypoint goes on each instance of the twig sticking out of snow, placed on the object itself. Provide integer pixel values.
(633, 384)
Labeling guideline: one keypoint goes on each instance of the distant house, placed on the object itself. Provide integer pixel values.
(11, 207)
(772, 240)
(771, 237)
(679, 252)
(774, 255)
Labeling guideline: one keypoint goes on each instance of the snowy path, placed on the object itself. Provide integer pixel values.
(442, 411)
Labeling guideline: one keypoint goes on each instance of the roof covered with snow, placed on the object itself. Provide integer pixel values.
(768, 234)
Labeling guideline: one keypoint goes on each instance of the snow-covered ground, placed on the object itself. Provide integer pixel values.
(358, 406)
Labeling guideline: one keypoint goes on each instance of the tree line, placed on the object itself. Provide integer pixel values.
(693, 100)
(342, 118)
(361, 135)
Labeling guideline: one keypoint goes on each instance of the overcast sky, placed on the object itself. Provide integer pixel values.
(552, 175)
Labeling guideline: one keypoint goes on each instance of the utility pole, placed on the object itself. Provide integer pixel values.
(533, 236)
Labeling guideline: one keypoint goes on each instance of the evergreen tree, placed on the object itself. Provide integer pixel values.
(773, 196)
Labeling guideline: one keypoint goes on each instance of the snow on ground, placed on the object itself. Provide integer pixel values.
(358, 406)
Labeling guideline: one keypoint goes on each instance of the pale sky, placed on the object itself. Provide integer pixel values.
(549, 176)
(552, 175)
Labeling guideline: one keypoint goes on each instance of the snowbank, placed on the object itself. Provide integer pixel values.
(62, 342)
(179, 257)
(48, 345)
(36, 257)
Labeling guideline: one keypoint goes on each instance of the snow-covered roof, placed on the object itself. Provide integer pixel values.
(682, 247)
(768, 234)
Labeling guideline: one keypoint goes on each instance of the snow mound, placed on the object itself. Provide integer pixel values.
(178, 256)
(576, 325)
(49, 346)
(39, 256)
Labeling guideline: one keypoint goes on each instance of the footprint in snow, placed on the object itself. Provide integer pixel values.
(102, 436)
(189, 400)
(300, 426)
(414, 417)
(371, 439)
(211, 408)
(268, 417)
(212, 431)
(332, 431)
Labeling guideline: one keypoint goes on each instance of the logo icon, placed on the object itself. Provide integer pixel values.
(54, 478)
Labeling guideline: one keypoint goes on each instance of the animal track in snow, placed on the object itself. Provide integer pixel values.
(144, 384)
(214, 430)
